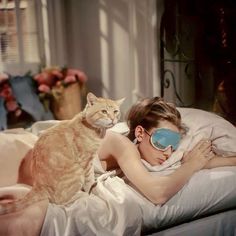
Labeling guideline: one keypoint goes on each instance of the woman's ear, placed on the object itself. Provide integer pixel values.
(139, 132)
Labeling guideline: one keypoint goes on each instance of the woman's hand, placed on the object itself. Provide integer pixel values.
(206, 158)
(200, 154)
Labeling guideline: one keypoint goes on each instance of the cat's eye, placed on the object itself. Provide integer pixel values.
(104, 111)
(116, 112)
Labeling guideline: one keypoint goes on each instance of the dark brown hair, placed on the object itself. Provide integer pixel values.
(149, 111)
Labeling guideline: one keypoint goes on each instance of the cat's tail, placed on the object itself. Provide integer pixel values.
(35, 195)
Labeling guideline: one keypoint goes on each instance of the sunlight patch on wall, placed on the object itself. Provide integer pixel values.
(103, 19)
(103, 22)
(46, 33)
(121, 49)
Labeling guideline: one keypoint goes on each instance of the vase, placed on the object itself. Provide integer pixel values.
(68, 103)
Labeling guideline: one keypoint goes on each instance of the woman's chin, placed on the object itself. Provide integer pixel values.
(156, 163)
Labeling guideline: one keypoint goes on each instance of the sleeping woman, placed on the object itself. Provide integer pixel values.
(155, 133)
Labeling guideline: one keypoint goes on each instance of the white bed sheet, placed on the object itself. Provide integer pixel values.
(223, 223)
(117, 209)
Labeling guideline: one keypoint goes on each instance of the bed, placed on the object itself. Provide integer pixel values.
(206, 205)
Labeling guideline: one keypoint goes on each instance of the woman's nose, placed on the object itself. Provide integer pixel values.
(167, 153)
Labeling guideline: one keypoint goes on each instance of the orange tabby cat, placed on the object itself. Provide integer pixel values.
(61, 160)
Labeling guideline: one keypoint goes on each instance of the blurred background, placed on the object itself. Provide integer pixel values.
(52, 52)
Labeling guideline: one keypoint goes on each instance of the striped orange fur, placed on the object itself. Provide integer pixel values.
(61, 160)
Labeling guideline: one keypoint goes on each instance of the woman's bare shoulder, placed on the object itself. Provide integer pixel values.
(115, 135)
(112, 144)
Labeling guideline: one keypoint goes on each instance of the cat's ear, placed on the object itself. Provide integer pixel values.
(120, 101)
(91, 98)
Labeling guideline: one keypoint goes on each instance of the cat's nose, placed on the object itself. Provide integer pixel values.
(112, 118)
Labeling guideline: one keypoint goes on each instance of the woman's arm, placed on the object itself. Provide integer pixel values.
(219, 161)
(156, 189)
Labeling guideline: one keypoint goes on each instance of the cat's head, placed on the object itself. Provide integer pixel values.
(102, 112)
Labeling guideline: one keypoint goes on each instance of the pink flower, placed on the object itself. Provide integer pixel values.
(6, 91)
(57, 73)
(45, 78)
(58, 83)
(55, 77)
(70, 79)
(10, 101)
(11, 105)
(78, 74)
(44, 88)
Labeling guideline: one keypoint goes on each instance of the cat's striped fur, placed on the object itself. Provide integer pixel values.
(61, 160)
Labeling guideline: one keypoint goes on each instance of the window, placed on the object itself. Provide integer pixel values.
(20, 49)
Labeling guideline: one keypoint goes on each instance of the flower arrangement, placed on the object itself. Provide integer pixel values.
(52, 81)
(7, 94)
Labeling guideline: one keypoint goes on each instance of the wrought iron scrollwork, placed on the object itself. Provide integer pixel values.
(167, 82)
(172, 50)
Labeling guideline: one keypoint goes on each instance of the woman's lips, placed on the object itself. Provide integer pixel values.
(161, 161)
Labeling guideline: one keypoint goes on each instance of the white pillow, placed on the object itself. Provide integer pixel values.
(14, 144)
(38, 127)
(203, 124)
(120, 127)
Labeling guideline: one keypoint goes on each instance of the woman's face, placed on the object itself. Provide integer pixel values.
(148, 152)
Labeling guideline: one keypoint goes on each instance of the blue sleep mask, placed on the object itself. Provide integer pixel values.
(163, 138)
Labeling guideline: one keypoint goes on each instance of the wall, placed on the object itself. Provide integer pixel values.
(116, 43)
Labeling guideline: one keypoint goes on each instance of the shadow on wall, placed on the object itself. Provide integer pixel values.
(110, 41)
(97, 31)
